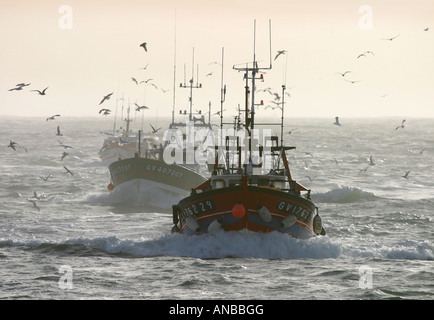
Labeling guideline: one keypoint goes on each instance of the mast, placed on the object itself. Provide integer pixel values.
(174, 73)
(249, 122)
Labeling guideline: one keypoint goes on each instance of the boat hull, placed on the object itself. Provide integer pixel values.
(169, 180)
(213, 206)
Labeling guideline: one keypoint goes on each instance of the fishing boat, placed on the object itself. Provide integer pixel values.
(256, 191)
(125, 145)
(167, 170)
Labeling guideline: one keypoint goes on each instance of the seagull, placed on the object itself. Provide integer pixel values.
(352, 81)
(426, 29)
(279, 52)
(401, 126)
(17, 88)
(218, 113)
(290, 131)
(371, 161)
(35, 196)
(309, 154)
(22, 84)
(46, 178)
(406, 175)
(390, 39)
(69, 171)
(134, 79)
(58, 131)
(107, 97)
(42, 93)
(363, 170)
(145, 67)
(34, 204)
(146, 81)
(343, 74)
(153, 129)
(364, 54)
(337, 121)
(65, 146)
(12, 145)
(209, 74)
(52, 117)
(64, 154)
(311, 179)
(105, 111)
(140, 107)
(144, 46)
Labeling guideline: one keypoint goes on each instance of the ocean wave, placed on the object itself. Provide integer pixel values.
(346, 194)
(230, 245)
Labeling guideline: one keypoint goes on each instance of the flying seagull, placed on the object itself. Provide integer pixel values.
(364, 54)
(107, 97)
(144, 46)
(69, 171)
(22, 84)
(17, 88)
(58, 131)
(105, 111)
(35, 196)
(401, 126)
(390, 39)
(352, 81)
(406, 175)
(140, 107)
(46, 178)
(279, 52)
(64, 154)
(290, 131)
(12, 145)
(42, 93)
(343, 74)
(52, 117)
(153, 129)
(337, 121)
(34, 204)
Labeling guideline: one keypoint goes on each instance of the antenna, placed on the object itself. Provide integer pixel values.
(174, 73)
(269, 28)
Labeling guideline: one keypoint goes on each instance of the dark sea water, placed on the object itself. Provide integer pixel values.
(88, 243)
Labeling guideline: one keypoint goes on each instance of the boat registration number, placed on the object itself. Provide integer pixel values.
(197, 208)
(294, 209)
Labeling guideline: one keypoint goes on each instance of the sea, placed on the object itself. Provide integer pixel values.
(67, 237)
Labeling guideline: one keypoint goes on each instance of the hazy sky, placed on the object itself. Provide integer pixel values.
(84, 49)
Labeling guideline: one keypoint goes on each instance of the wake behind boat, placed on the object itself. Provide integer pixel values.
(253, 193)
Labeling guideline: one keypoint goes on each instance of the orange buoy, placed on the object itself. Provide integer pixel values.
(110, 186)
(238, 211)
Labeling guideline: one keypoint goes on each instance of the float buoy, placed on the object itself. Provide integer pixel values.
(264, 214)
(288, 221)
(110, 186)
(192, 224)
(238, 210)
(317, 224)
(215, 226)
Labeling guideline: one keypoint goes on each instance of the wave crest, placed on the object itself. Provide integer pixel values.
(345, 194)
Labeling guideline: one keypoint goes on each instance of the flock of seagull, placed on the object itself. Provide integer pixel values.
(277, 101)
